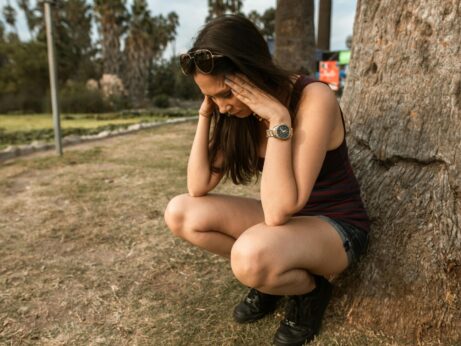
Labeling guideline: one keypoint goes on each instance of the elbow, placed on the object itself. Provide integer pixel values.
(279, 217)
(196, 193)
(196, 190)
(276, 219)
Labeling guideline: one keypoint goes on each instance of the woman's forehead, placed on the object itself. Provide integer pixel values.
(209, 84)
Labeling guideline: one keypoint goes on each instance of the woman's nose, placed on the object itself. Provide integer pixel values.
(224, 107)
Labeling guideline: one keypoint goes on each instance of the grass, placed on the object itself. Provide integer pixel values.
(45, 121)
(87, 259)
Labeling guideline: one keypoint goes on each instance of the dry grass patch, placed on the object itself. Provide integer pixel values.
(87, 259)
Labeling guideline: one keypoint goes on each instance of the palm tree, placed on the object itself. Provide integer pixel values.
(112, 18)
(146, 40)
(324, 25)
(9, 13)
(31, 18)
(2, 33)
(218, 8)
(402, 103)
(295, 35)
(138, 51)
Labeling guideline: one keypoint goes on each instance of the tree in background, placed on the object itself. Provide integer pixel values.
(349, 41)
(2, 33)
(324, 25)
(165, 78)
(31, 18)
(264, 22)
(23, 76)
(9, 13)
(295, 35)
(402, 103)
(23, 70)
(138, 51)
(146, 40)
(112, 19)
(218, 8)
(72, 35)
(78, 14)
(24, 80)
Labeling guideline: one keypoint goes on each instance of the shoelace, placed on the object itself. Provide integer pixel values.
(252, 297)
(298, 310)
(291, 317)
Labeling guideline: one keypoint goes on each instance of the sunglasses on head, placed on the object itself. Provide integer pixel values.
(203, 59)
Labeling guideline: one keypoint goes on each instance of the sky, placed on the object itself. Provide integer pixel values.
(192, 15)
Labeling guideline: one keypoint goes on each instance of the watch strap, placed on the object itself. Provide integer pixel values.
(270, 133)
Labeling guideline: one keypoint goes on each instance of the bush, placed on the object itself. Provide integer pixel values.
(165, 77)
(78, 99)
(161, 101)
(20, 103)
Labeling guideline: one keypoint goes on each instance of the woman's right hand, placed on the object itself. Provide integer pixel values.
(207, 107)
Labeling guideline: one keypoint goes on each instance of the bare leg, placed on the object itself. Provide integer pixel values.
(212, 222)
(276, 260)
(279, 260)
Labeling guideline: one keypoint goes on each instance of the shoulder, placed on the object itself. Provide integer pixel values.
(318, 115)
(317, 94)
(316, 101)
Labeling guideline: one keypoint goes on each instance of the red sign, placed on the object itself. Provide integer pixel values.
(329, 73)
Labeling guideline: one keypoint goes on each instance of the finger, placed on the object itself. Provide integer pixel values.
(238, 80)
(247, 84)
(244, 97)
(243, 78)
(237, 88)
(245, 81)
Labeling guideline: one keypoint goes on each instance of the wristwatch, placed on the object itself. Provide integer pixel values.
(281, 131)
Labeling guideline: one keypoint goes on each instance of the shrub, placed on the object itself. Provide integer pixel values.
(161, 101)
(78, 99)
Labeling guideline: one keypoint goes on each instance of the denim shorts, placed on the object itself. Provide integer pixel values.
(355, 241)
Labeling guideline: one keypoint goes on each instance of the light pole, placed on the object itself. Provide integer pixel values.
(53, 76)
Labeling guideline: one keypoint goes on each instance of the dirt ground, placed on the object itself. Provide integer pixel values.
(86, 258)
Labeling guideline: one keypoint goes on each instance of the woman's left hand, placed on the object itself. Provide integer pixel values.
(260, 102)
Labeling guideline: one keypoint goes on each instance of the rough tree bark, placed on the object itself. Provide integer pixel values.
(295, 35)
(402, 103)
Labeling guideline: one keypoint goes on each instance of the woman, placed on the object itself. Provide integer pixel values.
(310, 221)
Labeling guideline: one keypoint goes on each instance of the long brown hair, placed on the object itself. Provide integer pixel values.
(245, 51)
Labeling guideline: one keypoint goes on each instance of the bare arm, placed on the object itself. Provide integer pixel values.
(200, 179)
(296, 163)
(291, 167)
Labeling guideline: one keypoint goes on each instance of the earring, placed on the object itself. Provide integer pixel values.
(228, 114)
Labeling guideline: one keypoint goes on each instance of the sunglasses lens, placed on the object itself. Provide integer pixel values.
(204, 60)
(186, 63)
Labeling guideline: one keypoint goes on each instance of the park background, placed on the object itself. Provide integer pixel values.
(86, 256)
(117, 64)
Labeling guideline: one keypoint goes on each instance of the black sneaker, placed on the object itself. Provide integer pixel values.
(255, 306)
(304, 315)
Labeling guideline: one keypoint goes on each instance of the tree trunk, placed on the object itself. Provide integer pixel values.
(324, 26)
(402, 104)
(295, 35)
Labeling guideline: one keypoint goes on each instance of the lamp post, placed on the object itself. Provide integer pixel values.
(53, 76)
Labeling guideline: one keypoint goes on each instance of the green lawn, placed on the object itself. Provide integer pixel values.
(26, 128)
(29, 122)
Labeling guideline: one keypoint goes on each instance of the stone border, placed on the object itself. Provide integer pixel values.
(36, 146)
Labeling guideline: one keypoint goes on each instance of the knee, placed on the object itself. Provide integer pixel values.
(250, 262)
(175, 214)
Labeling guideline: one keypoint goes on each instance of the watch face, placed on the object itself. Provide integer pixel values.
(283, 132)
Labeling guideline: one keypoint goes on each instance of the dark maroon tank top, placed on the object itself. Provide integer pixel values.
(336, 192)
